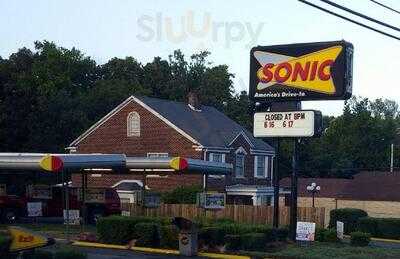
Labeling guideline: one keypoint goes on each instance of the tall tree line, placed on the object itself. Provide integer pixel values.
(50, 94)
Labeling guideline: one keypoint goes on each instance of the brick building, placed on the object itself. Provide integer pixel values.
(151, 127)
(375, 192)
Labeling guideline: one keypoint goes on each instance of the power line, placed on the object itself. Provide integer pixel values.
(385, 6)
(360, 14)
(349, 20)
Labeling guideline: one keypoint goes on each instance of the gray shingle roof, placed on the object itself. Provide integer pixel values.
(128, 186)
(210, 127)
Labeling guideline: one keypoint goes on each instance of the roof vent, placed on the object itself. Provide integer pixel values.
(194, 101)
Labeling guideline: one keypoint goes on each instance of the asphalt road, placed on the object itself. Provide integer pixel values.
(99, 253)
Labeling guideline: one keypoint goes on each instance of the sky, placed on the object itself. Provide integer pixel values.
(104, 29)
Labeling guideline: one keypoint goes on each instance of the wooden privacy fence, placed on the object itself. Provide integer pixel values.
(238, 213)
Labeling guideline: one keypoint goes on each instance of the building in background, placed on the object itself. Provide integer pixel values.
(151, 127)
(375, 192)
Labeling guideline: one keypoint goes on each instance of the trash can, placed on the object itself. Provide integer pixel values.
(188, 233)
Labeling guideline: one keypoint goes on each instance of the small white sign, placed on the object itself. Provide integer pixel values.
(34, 209)
(125, 213)
(73, 217)
(3, 190)
(284, 124)
(305, 231)
(339, 229)
(212, 200)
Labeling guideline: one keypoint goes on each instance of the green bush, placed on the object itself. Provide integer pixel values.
(149, 234)
(348, 216)
(182, 195)
(169, 237)
(5, 242)
(270, 234)
(121, 230)
(282, 234)
(209, 222)
(360, 238)
(368, 225)
(330, 235)
(69, 254)
(320, 234)
(212, 236)
(37, 254)
(253, 241)
(388, 228)
(222, 221)
(380, 227)
(233, 242)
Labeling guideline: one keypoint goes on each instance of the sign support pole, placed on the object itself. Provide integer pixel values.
(276, 184)
(66, 190)
(293, 200)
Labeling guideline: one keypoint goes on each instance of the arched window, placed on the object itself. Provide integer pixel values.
(133, 125)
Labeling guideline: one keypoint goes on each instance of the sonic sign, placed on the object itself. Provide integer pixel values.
(300, 72)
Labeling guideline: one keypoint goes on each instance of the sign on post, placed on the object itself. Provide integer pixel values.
(305, 231)
(212, 200)
(299, 72)
(339, 229)
(72, 218)
(288, 124)
(34, 209)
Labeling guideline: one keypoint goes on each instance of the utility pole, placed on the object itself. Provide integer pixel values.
(276, 184)
(293, 200)
(391, 157)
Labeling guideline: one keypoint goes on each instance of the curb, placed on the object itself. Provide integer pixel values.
(385, 240)
(155, 250)
(380, 239)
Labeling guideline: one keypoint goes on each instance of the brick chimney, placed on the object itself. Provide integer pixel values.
(194, 101)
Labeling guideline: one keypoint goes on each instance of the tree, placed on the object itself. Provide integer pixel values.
(49, 95)
(357, 140)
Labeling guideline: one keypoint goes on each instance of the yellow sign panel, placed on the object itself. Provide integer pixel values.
(23, 239)
(300, 72)
(309, 72)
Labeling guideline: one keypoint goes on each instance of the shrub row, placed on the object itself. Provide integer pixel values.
(348, 216)
(238, 236)
(358, 220)
(121, 230)
(380, 227)
(326, 235)
(147, 231)
(157, 232)
(360, 238)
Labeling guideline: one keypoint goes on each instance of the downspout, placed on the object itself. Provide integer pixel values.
(205, 175)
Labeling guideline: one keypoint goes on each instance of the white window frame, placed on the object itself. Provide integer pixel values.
(266, 165)
(211, 157)
(133, 124)
(270, 174)
(157, 154)
(243, 163)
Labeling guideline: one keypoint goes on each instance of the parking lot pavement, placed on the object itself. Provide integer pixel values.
(101, 253)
